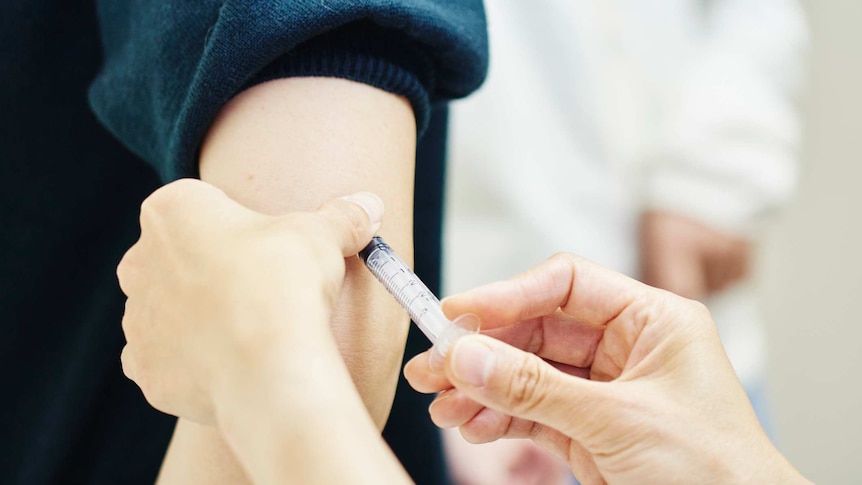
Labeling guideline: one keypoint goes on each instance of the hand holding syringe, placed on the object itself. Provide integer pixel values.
(420, 303)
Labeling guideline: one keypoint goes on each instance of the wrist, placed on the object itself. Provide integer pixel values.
(287, 421)
(273, 373)
(273, 406)
(776, 469)
(763, 463)
(270, 337)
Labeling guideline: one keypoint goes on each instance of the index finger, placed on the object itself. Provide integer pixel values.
(580, 288)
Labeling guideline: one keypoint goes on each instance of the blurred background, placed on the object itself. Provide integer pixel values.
(811, 265)
(598, 114)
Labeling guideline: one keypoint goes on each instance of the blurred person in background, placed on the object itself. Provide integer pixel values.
(653, 137)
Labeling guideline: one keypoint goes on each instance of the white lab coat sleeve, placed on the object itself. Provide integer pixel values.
(730, 131)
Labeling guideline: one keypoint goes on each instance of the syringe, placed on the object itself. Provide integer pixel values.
(421, 304)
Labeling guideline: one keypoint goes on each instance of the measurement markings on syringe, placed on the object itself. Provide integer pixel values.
(402, 291)
(409, 290)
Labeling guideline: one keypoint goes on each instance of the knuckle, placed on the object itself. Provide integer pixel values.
(125, 269)
(321, 265)
(124, 362)
(154, 398)
(527, 385)
(682, 310)
(301, 240)
(147, 214)
(164, 199)
(486, 426)
(122, 276)
(152, 209)
(566, 262)
(158, 199)
(302, 223)
(471, 434)
(331, 286)
(311, 241)
(535, 342)
(185, 185)
(126, 322)
(701, 313)
(699, 310)
(353, 219)
(309, 235)
(300, 243)
(563, 258)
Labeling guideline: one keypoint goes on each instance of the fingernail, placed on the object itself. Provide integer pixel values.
(371, 203)
(472, 361)
(469, 321)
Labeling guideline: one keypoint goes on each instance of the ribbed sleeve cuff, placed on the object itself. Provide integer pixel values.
(365, 53)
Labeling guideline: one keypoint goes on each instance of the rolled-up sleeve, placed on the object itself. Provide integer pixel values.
(169, 67)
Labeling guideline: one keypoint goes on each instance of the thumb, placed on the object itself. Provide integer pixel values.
(352, 220)
(521, 384)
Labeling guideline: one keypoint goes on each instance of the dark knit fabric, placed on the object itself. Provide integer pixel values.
(156, 73)
(368, 54)
(170, 66)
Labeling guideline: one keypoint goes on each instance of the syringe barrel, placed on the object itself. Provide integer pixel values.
(420, 303)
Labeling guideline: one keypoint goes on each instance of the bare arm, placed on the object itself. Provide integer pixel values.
(290, 145)
(316, 432)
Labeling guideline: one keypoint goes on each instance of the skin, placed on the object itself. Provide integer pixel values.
(194, 354)
(687, 258)
(627, 383)
(290, 145)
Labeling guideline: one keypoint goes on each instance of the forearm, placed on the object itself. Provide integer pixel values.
(198, 454)
(761, 462)
(316, 432)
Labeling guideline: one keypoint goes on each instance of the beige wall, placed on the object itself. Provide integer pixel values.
(812, 265)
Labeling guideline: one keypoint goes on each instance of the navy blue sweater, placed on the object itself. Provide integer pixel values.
(100, 103)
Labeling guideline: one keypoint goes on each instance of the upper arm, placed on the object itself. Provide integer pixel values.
(293, 144)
